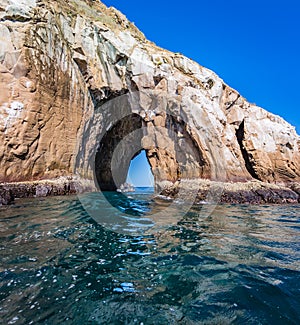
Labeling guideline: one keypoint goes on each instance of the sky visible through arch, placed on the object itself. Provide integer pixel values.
(254, 46)
(139, 173)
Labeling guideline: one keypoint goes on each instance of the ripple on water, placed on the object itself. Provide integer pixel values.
(238, 265)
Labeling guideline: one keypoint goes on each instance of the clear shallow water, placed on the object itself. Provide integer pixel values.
(240, 265)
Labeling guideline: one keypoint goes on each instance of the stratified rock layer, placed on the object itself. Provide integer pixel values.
(80, 83)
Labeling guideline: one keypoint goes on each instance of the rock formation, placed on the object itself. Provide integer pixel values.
(83, 91)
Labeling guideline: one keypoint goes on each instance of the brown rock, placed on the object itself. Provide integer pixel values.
(78, 81)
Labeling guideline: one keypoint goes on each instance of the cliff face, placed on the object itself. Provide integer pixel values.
(82, 92)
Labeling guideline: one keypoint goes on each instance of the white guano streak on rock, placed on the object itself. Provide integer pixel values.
(10, 113)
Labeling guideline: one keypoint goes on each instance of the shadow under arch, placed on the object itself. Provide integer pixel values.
(122, 129)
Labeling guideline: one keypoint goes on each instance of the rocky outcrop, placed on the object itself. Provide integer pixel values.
(42, 188)
(252, 192)
(83, 91)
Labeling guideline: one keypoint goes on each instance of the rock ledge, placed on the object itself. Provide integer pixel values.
(253, 192)
(43, 188)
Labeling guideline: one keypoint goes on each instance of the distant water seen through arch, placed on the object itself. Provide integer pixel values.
(139, 173)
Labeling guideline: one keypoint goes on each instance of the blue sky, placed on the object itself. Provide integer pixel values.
(139, 173)
(254, 46)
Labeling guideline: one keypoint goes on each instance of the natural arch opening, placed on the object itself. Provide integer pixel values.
(139, 172)
(166, 144)
(115, 151)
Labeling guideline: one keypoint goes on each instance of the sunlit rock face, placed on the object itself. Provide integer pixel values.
(82, 92)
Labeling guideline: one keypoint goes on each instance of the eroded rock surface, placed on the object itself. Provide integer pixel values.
(72, 71)
(251, 192)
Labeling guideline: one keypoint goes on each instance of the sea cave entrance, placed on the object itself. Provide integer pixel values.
(117, 147)
(164, 149)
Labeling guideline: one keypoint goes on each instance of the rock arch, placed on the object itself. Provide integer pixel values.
(122, 127)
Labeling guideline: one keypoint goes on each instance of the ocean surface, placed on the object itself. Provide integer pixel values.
(233, 264)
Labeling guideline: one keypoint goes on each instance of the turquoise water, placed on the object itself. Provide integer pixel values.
(239, 265)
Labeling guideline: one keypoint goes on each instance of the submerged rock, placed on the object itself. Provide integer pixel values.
(6, 196)
(80, 86)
